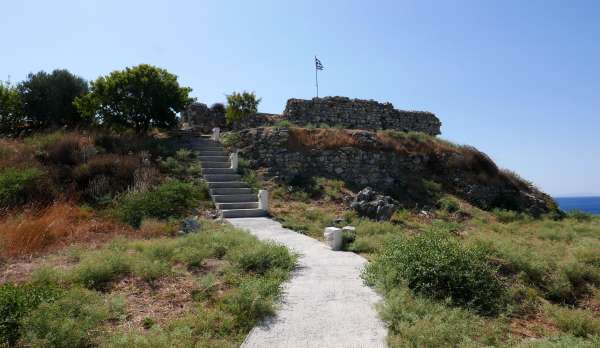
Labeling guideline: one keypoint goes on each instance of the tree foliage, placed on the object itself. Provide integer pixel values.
(48, 98)
(11, 109)
(240, 106)
(140, 97)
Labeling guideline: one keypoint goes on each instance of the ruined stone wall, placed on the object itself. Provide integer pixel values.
(364, 164)
(359, 114)
(203, 119)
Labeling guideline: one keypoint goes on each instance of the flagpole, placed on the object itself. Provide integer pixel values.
(316, 77)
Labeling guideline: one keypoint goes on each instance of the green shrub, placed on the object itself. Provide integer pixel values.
(96, 270)
(417, 321)
(71, 321)
(577, 322)
(252, 301)
(436, 265)
(16, 301)
(507, 216)
(264, 257)
(171, 199)
(240, 106)
(19, 186)
(448, 204)
(230, 139)
(579, 216)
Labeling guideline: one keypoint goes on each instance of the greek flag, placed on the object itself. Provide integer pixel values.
(318, 64)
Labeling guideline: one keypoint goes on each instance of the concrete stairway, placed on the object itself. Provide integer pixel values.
(232, 197)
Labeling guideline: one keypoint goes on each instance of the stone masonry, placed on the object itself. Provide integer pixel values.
(359, 114)
(363, 164)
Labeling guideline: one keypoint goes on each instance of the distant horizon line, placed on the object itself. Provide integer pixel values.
(577, 195)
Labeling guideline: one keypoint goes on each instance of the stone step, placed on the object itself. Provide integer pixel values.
(238, 213)
(230, 191)
(218, 171)
(213, 158)
(211, 153)
(228, 206)
(244, 198)
(222, 177)
(227, 184)
(206, 165)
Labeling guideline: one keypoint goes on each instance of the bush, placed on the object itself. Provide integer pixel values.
(577, 322)
(264, 257)
(66, 150)
(436, 265)
(19, 186)
(579, 216)
(48, 99)
(448, 204)
(139, 98)
(70, 321)
(98, 269)
(16, 301)
(117, 171)
(240, 106)
(171, 199)
(506, 216)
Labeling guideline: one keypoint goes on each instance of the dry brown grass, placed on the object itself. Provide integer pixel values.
(57, 226)
(400, 142)
(14, 153)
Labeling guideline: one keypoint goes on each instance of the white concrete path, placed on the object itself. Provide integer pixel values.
(325, 304)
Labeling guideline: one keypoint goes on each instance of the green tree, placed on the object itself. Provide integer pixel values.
(140, 97)
(240, 106)
(11, 109)
(48, 98)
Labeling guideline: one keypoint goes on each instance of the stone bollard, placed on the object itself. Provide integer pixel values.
(333, 237)
(263, 200)
(234, 159)
(216, 133)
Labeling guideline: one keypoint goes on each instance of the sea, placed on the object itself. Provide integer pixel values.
(586, 204)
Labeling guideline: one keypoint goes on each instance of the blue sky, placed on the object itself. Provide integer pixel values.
(520, 80)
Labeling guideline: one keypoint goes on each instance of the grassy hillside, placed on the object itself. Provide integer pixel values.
(90, 254)
(460, 276)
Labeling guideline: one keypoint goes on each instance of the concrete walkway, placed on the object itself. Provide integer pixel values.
(325, 304)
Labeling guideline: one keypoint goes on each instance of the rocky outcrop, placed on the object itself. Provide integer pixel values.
(407, 169)
(370, 203)
(359, 114)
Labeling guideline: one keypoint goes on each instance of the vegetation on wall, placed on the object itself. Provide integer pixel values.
(240, 106)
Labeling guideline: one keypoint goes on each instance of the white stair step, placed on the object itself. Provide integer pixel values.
(229, 206)
(222, 177)
(218, 171)
(238, 213)
(243, 198)
(230, 191)
(202, 153)
(213, 158)
(208, 165)
(227, 184)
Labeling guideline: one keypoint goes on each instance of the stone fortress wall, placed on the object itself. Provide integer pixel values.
(333, 111)
(359, 114)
